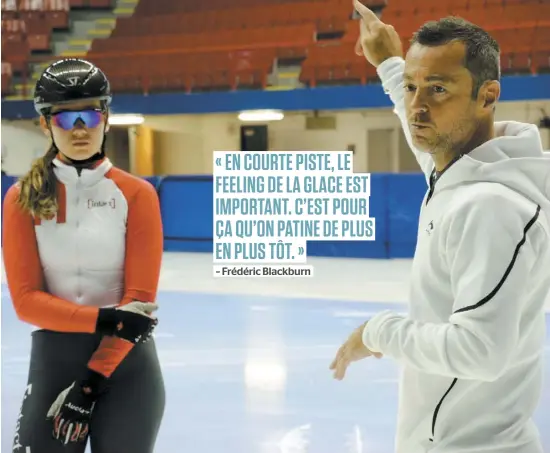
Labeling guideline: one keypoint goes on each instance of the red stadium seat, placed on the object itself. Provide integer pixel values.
(229, 44)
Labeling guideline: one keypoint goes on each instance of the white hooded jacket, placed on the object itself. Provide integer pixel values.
(472, 344)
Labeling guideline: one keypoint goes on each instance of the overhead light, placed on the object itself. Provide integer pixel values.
(261, 115)
(126, 120)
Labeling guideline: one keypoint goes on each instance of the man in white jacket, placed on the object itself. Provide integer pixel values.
(472, 345)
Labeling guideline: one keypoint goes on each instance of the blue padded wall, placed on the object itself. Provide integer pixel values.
(187, 215)
(187, 210)
(362, 249)
(405, 195)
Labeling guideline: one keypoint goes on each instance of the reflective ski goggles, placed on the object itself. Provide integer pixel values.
(67, 119)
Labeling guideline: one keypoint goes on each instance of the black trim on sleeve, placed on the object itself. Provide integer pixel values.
(489, 296)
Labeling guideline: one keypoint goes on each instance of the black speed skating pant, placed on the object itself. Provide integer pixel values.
(126, 419)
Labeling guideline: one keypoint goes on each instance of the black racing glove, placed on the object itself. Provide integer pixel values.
(72, 410)
(132, 322)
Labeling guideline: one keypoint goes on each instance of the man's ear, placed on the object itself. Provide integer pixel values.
(490, 94)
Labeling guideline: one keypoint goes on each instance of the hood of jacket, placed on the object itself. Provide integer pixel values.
(514, 158)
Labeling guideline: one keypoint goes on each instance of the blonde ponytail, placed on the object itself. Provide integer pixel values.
(38, 194)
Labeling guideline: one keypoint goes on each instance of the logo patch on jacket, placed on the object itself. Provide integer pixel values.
(101, 204)
(430, 227)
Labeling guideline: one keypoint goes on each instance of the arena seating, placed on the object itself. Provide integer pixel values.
(252, 36)
(187, 45)
(284, 29)
(332, 16)
(27, 26)
(25, 30)
(182, 71)
(7, 74)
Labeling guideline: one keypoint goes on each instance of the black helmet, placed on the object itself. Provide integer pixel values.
(70, 79)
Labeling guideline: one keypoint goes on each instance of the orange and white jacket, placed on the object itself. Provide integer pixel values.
(103, 248)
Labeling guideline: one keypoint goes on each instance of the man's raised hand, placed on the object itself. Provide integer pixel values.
(377, 41)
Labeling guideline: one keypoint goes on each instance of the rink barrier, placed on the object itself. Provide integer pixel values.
(187, 214)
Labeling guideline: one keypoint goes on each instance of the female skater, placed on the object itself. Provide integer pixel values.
(82, 251)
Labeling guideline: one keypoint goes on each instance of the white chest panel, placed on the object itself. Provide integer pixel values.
(83, 258)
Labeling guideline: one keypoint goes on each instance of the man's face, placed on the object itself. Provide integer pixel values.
(441, 113)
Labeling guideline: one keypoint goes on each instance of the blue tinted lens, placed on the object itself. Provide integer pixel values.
(67, 119)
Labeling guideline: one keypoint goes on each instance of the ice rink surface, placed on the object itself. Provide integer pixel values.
(246, 361)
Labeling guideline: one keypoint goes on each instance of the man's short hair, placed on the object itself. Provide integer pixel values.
(482, 51)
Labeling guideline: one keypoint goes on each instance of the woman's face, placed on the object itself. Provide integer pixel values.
(77, 128)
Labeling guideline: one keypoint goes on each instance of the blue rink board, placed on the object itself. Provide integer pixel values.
(394, 203)
(186, 203)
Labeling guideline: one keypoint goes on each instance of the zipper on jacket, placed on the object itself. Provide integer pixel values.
(434, 177)
(436, 411)
(432, 186)
(77, 226)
